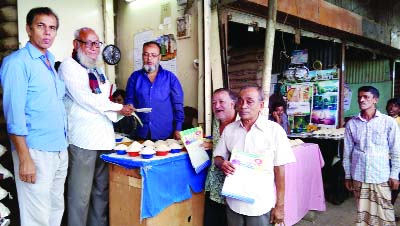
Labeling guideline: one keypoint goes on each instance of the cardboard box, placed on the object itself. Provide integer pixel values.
(125, 203)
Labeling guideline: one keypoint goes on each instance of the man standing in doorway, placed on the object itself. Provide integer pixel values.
(371, 139)
(90, 130)
(36, 122)
(156, 88)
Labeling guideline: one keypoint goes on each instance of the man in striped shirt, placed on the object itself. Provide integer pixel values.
(371, 138)
(90, 115)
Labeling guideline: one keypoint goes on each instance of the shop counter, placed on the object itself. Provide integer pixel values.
(304, 189)
(155, 191)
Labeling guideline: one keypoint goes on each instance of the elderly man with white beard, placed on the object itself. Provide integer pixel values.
(90, 131)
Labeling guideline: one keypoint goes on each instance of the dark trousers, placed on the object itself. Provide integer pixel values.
(214, 213)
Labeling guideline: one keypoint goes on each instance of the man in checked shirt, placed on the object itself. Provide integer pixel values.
(371, 138)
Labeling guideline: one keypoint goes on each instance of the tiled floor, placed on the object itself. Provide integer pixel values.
(339, 215)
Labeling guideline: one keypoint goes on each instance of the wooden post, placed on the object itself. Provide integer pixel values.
(342, 74)
(269, 50)
(108, 15)
(207, 66)
(200, 85)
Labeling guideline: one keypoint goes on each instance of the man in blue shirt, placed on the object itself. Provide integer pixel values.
(159, 89)
(36, 122)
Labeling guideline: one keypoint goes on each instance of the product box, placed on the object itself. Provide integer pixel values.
(125, 203)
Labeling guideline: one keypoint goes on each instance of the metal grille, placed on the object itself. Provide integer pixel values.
(362, 72)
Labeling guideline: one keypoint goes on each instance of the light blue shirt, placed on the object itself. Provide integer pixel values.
(368, 146)
(33, 99)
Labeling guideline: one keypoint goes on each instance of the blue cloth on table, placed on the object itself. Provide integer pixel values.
(164, 181)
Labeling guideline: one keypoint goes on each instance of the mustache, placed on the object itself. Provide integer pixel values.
(150, 68)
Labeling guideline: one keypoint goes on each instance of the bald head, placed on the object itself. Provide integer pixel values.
(87, 46)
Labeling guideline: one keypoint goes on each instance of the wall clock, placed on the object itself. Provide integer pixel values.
(111, 54)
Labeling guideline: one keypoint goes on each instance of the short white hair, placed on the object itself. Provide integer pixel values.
(78, 31)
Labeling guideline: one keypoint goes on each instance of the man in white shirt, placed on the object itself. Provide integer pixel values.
(254, 134)
(90, 115)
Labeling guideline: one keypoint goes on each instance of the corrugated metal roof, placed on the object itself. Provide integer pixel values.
(361, 72)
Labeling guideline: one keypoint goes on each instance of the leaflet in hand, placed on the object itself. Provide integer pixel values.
(119, 117)
(249, 169)
(193, 140)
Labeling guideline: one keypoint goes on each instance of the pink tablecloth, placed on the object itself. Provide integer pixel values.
(304, 189)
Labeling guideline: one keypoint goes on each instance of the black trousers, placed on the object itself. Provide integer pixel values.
(214, 213)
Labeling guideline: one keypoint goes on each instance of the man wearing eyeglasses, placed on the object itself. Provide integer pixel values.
(159, 89)
(36, 122)
(90, 130)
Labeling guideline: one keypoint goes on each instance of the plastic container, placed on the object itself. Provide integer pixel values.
(133, 153)
(147, 156)
(177, 150)
(162, 153)
(120, 152)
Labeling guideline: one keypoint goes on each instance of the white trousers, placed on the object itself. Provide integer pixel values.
(42, 203)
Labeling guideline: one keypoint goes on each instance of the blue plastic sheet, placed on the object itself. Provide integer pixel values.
(164, 180)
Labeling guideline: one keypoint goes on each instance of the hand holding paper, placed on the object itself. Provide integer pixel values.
(126, 110)
(249, 169)
(193, 140)
(227, 167)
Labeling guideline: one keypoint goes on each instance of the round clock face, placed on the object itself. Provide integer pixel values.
(111, 54)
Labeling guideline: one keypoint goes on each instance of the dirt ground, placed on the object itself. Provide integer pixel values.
(339, 215)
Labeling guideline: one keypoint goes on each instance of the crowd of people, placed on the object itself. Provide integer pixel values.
(60, 122)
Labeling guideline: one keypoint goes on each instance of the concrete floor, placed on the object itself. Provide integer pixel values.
(339, 215)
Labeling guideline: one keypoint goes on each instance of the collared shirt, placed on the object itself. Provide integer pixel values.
(367, 147)
(264, 137)
(32, 99)
(164, 96)
(397, 118)
(90, 115)
(215, 177)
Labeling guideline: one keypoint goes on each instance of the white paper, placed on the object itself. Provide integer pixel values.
(249, 171)
(167, 20)
(144, 110)
(193, 140)
(138, 41)
(169, 65)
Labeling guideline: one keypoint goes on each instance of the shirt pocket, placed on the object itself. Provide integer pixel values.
(379, 137)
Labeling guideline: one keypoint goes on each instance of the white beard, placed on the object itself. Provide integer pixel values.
(87, 61)
(150, 68)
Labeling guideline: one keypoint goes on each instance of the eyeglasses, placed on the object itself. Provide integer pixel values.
(152, 55)
(96, 44)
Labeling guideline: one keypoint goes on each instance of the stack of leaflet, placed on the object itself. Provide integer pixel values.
(4, 174)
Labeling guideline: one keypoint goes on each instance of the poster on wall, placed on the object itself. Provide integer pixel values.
(299, 56)
(346, 97)
(325, 104)
(298, 123)
(183, 25)
(299, 97)
(138, 40)
(321, 75)
(168, 50)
